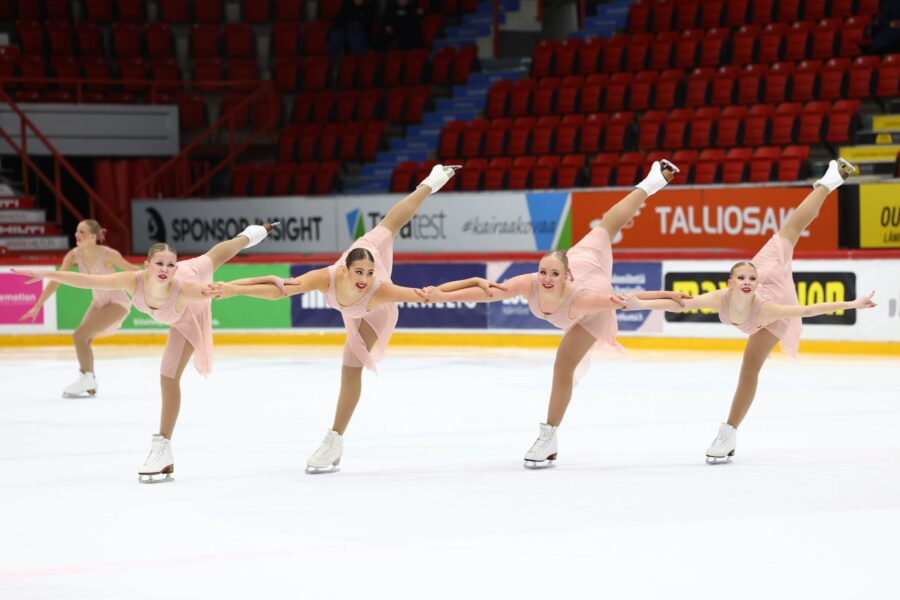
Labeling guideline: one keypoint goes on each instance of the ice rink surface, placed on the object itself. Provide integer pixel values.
(432, 500)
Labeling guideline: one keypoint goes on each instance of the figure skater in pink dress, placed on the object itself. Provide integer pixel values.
(107, 310)
(573, 291)
(359, 286)
(761, 301)
(172, 293)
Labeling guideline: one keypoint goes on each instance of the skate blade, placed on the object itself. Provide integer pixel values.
(155, 477)
(535, 465)
(322, 470)
(87, 394)
(719, 460)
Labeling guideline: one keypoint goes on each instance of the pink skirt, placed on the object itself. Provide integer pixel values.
(776, 284)
(383, 319)
(591, 263)
(194, 327)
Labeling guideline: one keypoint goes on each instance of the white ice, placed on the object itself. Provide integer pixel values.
(432, 500)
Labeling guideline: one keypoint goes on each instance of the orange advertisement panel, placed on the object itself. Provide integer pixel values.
(720, 218)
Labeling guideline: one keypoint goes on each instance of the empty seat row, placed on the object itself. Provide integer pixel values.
(397, 105)
(280, 179)
(550, 134)
(647, 15)
(448, 66)
(700, 48)
(864, 77)
(784, 124)
(330, 141)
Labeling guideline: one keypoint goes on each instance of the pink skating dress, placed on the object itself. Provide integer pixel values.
(191, 326)
(590, 261)
(103, 298)
(776, 284)
(382, 319)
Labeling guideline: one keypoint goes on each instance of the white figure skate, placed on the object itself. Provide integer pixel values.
(257, 233)
(542, 454)
(722, 448)
(85, 385)
(327, 458)
(838, 172)
(657, 178)
(160, 464)
(439, 176)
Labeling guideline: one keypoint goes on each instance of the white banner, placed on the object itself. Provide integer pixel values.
(499, 222)
(193, 226)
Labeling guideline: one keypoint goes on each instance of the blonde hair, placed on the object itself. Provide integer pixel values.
(161, 247)
(743, 263)
(562, 257)
(96, 229)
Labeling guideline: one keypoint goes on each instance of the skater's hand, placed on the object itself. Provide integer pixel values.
(865, 301)
(216, 291)
(630, 301)
(678, 297)
(277, 282)
(31, 314)
(620, 300)
(35, 275)
(433, 293)
(486, 285)
(422, 294)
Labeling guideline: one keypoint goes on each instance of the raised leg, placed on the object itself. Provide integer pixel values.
(222, 252)
(623, 211)
(171, 393)
(401, 213)
(575, 344)
(759, 346)
(803, 215)
(351, 384)
(95, 322)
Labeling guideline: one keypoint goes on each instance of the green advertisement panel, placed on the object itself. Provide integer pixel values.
(234, 313)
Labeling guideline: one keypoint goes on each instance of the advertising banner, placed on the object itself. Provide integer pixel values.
(311, 310)
(496, 222)
(194, 226)
(721, 218)
(512, 313)
(879, 215)
(440, 315)
(17, 297)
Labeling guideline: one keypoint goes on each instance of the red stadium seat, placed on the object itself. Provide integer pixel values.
(703, 126)
(617, 92)
(888, 76)
(243, 69)
(323, 107)
(315, 70)
(668, 88)
(209, 70)
(464, 64)
(805, 80)
(174, 11)
(568, 93)
(593, 133)
(687, 48)
(301, 109)
(473, 137)
(723, 86)
(762, 11)
(798, 41)
(315, 37)
(638, 17)
(432, 24)
(712, 49)
(130, 11)
(712, 14)
(136, 70)
(825, 38)
(676, 128)
(498, 98)
(239, 117)
(241, 176)
(126, 40)
(590, 56)
(661, 50)
(31, 37)
(239, 40)
(629, 169)
(371, 67)
(834, 78)
(519, 140)
(688, 15)
(160, 41)
(165, 70)
(738, 13)
(568, 175)
(777, 82)
(614, 53)
(662, 16)
(771, 42)
(763, 163)
(709, 163)
(743, 44)
(792, 163)
(641, 88)
(414, 66)
(813, 10)
(729, 128)
(65, 67)
(288, 10)
(698, 86)
(785, 123)
(757, 124)
(256, 11)
(788, 10)
(90, 39)
(841, 8)
(601, 169)
(285, 39)
(568, 132)
(520, 97)
(650, 127)
(862, 77)
(843, 120)
(208, 11)
(852, 36)
(638, 51)
(544, 96)
(618, 131)
(542, 58)
(59, 33)
(567, 57)
(267, 110)
(750, 83)
(734, 166)
(812, 122)
(592, 93)
(205, 40)
(543, 134)
(99, 11)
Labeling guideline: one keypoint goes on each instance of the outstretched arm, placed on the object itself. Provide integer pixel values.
(114, 281)
(517, 286)
(673, 301)
(119, 261)
(267, 289)
(49, 289)
(772, 312)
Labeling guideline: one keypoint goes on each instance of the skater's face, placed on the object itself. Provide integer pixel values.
(84, 235)
(361, 273)
(744, 280)
(162, 266)
(551, 273)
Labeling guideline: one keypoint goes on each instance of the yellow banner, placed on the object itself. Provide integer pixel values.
(879, 215)
(873, 153)
(886, 123)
